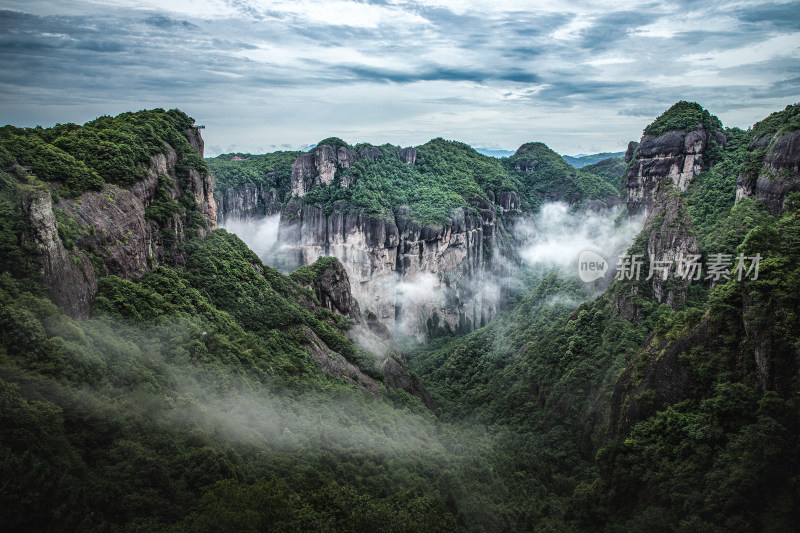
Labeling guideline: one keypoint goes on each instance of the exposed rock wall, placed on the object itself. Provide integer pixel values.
(69, 277)
(250, 200)
(318, 167)
(115, 237)
(398, 268)
(779, 174)
(677, 155)
(394, 262)
(333, 291)
(659, 168)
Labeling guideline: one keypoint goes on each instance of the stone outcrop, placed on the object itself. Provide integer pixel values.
(677, 155)
(778, 175)
(329, 281)
(398, 268)
(335, 364)
(250, 200)
(69, 277)
(408, 156)
(659, 168)
(401, 269)
(114, 235)
(526, 165)
(320, 165)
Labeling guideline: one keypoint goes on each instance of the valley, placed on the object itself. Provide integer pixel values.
(386, 338)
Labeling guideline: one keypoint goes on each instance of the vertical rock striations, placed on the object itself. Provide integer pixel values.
(661, 167)
(395, 262)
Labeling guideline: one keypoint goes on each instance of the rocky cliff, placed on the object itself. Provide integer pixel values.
(660, 168)
(250, 200)
(404, 271)
(676, 155)
(119, 230)
(772, 167)
(328, 279)
(424, 233)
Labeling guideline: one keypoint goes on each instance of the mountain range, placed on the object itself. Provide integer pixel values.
(414, 350)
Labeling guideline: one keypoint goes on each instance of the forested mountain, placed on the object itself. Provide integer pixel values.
(581, 161)
(439, 216)
(156, 375)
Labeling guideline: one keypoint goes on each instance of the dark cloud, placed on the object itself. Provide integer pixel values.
(436, 73)
(105, 55)
(781, 17)
(167, 23)
(606, 31)
(98, 45)
(572, 89)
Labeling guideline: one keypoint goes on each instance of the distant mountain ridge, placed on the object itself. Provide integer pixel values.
(580, 161)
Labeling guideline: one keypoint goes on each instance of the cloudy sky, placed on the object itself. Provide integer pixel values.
(582, 76)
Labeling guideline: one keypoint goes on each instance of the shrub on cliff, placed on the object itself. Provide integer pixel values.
(683, 116)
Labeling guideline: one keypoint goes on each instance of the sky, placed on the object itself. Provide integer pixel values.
(581, 76)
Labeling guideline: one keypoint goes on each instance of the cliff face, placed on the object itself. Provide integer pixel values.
(774, 170)
(115, 235)
(251, 200)
(677, 155)
(399, 268)
(659, 169)
(329, 281)
(453, 271)
(69, 277)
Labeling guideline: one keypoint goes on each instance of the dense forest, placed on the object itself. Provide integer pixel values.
(188, 391)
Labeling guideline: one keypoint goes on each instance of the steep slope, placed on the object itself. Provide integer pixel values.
(772, 166)
(546, 177)
(110, 197)
(191, 376)
(612, 170)
(685, 419)
(591, 159)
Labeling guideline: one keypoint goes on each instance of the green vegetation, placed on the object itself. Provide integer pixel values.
(552, 179)
(107, 150)
(231, 171)
(446, 176)
(612, 170)
(683, 116)
(592, 159)
(190, 401)
(778, 123)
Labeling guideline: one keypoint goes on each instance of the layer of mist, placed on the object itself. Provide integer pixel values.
(556, 236)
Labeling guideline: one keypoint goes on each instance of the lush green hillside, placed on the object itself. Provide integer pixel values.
(612, 170)
(546, 177)
(272, 170)
(446, 175)
(107, 150)
(721, 456)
